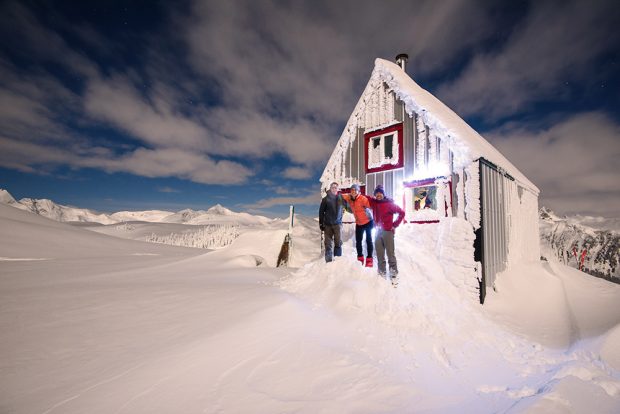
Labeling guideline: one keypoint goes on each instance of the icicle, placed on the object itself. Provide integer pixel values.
(444, 152)
(432, 156)
(381, 105)
(421, 147)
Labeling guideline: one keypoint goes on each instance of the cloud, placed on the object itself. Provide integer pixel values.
(310, 199)
(574, 162)
(271, 90)
(288, 74)
(172, 162)
(281, 190)
(18, 22)
(297, 173)
(167, 190)
(556, 43)
(219, 90)
(36, 158)
(154, 121)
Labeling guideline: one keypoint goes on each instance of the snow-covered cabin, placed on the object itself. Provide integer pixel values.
(432, 163)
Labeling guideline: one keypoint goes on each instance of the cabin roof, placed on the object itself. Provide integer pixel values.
(466, 144)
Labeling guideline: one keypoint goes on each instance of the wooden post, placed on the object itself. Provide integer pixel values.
(291, 223)
(284, 257)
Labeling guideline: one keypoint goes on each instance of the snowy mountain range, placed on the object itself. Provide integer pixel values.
(217, 214)
(576, 242)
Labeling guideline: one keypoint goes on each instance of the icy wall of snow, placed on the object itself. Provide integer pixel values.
(472, 194)
(523, 228)
(207, 237)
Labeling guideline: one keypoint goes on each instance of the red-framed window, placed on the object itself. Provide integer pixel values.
(427, 201)
(384, 149)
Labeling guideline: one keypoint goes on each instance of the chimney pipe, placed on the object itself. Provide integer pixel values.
(401, 60)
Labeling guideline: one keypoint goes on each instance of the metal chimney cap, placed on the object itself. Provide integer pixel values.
(401, 60)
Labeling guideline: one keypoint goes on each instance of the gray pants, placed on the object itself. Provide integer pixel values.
(333, 238)
(384, 243)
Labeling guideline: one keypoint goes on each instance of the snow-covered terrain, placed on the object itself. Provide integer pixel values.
(582, 243)
(100, 324)
(217, 214)
(148, 215)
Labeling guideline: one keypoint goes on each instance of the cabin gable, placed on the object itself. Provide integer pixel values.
(436, 166)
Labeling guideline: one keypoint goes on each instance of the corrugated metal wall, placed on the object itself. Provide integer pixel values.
(494, 222)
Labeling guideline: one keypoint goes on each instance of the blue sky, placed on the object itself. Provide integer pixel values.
(138, 105)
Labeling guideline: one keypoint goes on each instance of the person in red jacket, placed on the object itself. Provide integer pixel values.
(360, 206)
(383, 212)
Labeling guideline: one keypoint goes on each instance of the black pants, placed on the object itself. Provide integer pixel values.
(359, 233)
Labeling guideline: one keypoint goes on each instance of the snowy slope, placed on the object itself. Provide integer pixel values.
(217, 214)
(570, 239)
(51, 210)
(147, 215)
(221, 215)
(7, 198)
(54, 211)
(26, 236)
(111, 325)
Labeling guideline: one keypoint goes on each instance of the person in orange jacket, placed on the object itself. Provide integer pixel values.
(363, 223)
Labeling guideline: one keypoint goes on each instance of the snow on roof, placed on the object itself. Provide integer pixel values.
(466, 144)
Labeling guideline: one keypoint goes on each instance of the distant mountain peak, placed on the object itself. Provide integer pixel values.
(546, 213)
(220, 209)
(6, 197)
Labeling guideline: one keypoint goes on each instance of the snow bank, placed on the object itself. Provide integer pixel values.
(610, 350)
(109, 325)
(26, 235)
(537, 322)
(437, 278)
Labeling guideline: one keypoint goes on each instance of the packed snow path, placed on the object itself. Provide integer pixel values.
(105, 325)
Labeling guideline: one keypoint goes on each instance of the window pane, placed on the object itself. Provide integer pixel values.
(387, 147)
(376, 142)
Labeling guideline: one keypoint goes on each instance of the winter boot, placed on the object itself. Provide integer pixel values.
(368, 261)
(360, 259)
(394, 277)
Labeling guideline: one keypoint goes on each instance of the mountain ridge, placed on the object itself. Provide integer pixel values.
(58, 212)
(592, 250)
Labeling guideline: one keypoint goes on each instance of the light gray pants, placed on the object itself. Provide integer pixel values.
(384, 243)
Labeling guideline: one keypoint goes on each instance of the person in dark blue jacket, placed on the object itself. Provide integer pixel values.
(330, 222)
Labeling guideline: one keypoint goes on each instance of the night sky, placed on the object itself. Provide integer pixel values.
(134, 105)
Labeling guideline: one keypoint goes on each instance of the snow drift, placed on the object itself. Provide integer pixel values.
(111, 325)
